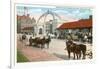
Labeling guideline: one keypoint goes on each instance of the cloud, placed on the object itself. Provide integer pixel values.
(75, 13)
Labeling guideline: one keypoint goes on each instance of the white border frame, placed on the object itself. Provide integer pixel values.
(14, 64)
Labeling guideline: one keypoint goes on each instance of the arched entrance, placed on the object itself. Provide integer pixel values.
(43, 30)
(40, 31)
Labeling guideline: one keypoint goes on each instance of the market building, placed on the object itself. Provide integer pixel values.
(82, 26)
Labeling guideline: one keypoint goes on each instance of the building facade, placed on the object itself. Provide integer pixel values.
(80, 28)
(25, 24)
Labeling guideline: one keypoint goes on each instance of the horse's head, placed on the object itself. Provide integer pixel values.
(69, 43)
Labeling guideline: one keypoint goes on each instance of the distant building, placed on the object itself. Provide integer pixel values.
(25, 24)
(80, 26)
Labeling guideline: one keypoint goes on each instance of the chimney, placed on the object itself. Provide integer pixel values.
(90, 17)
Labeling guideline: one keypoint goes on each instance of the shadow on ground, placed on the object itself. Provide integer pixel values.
(64, 57)
(33, 46)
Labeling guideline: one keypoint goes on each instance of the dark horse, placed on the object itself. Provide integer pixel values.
(76, 49)
(37, 41)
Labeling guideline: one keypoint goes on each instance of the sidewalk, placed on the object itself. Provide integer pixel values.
(35, 54)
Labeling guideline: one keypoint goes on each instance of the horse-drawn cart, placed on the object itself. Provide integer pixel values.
(39, 41)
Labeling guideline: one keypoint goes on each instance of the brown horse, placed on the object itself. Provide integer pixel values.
(37, 41)
(76, 49)
(40, 42)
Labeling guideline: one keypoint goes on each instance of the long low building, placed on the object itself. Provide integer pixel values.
(83, 26)
(83, 23)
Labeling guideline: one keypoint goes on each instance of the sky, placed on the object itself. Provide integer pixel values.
(66, 13)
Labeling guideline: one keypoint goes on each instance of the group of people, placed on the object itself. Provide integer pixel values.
(85, 37)
(81, 37)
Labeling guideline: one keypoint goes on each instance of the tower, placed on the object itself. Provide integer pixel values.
(25, 11)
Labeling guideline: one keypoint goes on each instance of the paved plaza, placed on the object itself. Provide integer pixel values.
(55, 52)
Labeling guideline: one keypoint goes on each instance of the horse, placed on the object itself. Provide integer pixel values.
(37, 41)
(32, 41)
(76, 49)
(40, 42)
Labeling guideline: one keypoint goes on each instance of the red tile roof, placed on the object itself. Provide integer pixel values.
(83, 23)
(22, 17)
(27, 28)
